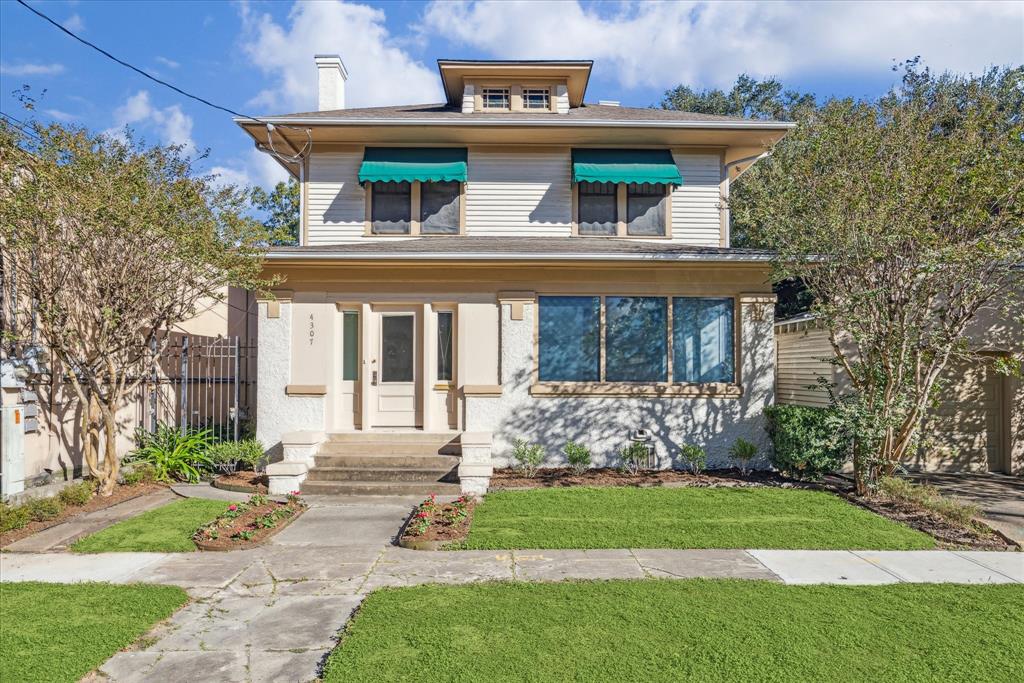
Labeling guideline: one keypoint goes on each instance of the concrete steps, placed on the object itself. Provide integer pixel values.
(386, 463)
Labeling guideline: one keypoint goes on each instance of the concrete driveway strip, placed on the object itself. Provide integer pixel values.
(70, 568)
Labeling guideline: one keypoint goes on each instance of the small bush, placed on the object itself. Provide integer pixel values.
(42, 509)
(929, 498)
(223, 453)
(528, 457)
(138, 473)
(743, 452)
(634, 457)
(578, 456)
(173, 455)
(13, 517)
(76, 494)
(695, 457)
(806, 442)
(250, 452)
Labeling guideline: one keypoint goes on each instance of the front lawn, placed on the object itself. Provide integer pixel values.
(60, 632)
(167, 529)
(683, 518)
(696, 630)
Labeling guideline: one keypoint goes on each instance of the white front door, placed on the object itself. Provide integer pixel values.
(395, 372)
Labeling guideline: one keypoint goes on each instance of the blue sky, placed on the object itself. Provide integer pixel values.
(256, 57)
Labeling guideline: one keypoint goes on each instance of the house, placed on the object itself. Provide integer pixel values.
(512, 263)
(978, 423)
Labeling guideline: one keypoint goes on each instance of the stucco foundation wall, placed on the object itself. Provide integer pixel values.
(276, 412)
(603, 424)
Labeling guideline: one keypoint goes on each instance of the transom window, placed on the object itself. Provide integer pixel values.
(536, 98)
(495, 98)
(622, 209)
(416, 208)
(638, 339)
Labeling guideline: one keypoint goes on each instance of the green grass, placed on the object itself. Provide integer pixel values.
(695, 630)
(167, 529)
(60, 632)
(628, 517)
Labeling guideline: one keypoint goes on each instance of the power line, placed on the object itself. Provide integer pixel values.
(20, 125)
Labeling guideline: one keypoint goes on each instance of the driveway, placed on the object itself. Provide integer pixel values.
(1000, 496)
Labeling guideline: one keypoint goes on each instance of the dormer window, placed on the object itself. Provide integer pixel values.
(499, 99)
(537, 98)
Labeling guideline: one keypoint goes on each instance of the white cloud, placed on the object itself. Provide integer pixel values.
(706, 43)
(169, 63)
(74, 23)
(60, 115)
(31, 69)
(257, 168)
(170, 124)
(380, 71)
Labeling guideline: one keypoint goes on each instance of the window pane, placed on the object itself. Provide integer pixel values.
(536, 99)
(569, 339)
(495, 98)
(444, 346)
(350, 346)
(597, 209)
(439, 208)
(645, 209)
(636, 339)
(391, 208)
(702, 340)
(397, 347)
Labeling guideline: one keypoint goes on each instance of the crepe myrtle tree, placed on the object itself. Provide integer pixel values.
(903, 217)
(116, 242)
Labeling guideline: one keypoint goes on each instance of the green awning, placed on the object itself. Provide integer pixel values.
(625, 166)
(405, 164)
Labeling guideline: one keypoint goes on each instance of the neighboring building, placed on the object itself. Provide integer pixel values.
(512, 263)
(978, 425)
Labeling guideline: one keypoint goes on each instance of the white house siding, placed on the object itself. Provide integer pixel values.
(519, 193)
(603, 424)
(801, 359)
(696, 204)
(335, 201)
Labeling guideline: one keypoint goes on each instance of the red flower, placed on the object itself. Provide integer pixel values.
(232, 507)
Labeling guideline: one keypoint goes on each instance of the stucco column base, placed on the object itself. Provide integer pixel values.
(476, 468)
(299, 448)
(285, 477)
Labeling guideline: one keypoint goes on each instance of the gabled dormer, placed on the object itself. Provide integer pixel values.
(502, 87)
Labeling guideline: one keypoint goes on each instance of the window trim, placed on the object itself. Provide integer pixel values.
(622, 213)
(536, 89)
(670, 389)
(483, 97)
(515, 88)
(414, 222)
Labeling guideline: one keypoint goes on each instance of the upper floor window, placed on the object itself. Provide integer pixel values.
(391, 208)
(622, 209)
(415, 208)
(536, 98)
(496, 98)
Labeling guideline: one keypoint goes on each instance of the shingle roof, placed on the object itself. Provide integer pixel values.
(498, 248)
(588, 112)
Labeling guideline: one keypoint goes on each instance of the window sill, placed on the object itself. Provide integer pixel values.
(626, 390)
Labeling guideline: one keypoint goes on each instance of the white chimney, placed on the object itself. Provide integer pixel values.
(331, 77)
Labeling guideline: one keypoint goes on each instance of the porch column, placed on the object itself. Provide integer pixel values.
(365, 370)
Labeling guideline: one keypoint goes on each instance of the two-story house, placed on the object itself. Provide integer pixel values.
(513, 263)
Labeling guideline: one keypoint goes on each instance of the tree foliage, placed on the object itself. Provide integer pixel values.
(115, 242)
(748, 98)
(903, 217)
(281, 206)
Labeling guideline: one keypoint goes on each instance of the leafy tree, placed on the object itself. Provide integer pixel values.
(748, 98)
(282, 208)
(903, 218)
(116, 242)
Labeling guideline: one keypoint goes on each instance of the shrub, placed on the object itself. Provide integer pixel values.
(249, 453)
(528, 457)
(634, 457)
(807, 442)
(695, 457)
(42, 509)
(77, 494)
(138, 473)
(173, 455)
(578, 456)
(929, 498)
(13, 517)
(743, 452)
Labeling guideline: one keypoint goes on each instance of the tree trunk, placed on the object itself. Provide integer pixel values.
(111, 466)
(90, 437)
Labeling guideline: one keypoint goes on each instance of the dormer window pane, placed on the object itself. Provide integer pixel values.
(390, 213)
(645, 209)
(597, 209)
(495, 98)
(534, 98)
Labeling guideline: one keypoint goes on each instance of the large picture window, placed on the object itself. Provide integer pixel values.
(636, 339)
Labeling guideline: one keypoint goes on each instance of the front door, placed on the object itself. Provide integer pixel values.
(395, 373)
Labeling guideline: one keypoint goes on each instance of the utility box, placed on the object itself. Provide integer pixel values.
(12, 450)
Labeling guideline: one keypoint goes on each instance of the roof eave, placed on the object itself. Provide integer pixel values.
(523, 256)
(324, 121)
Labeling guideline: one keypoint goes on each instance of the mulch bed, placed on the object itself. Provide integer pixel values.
(434, 525)
(243, 531)
(121, 494)
(243, 482)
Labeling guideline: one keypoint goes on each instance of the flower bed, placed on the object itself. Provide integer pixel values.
(607, 476)
(245, 525)
(244, 481)
(434, 525)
